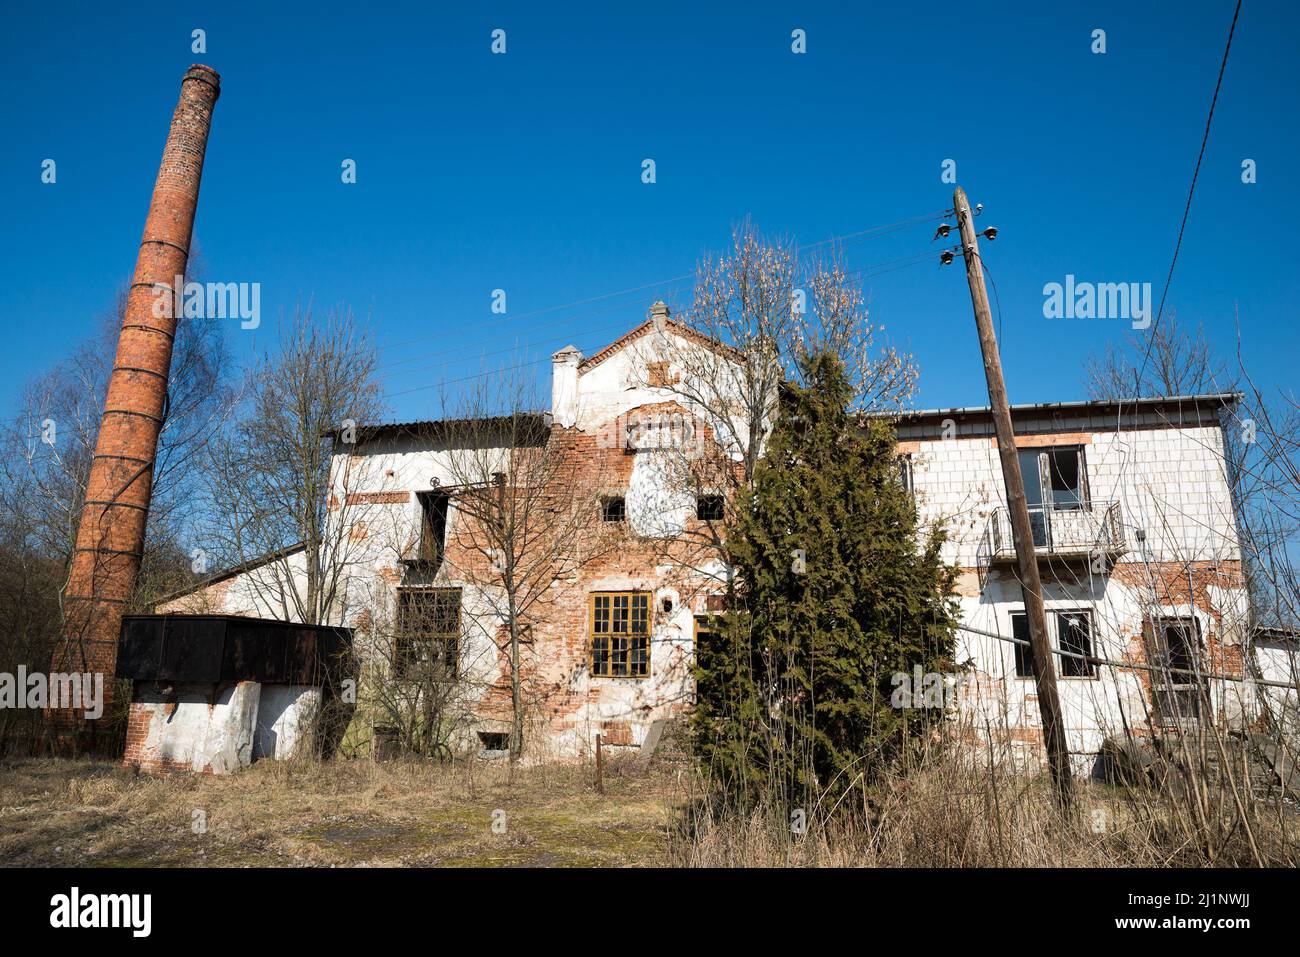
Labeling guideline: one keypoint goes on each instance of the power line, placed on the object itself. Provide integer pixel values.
(1205, 138)
(856, 236)
(1196, 172)
(868, 271)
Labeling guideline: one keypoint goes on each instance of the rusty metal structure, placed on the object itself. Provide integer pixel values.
(110, 535)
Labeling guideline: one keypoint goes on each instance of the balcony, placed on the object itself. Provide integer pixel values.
(1085, 532)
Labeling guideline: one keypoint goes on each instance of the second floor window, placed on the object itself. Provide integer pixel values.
(1054, 478)
(620, 634)
(433, 526)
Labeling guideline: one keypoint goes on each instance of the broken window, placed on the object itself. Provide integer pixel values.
(428, 632)
(1024, 653)
(620, 634)
(1065, 472)
(1178, 688)
(704, 629)
(613, 509)
(433, 527)
(709, 508)
(1074, 634)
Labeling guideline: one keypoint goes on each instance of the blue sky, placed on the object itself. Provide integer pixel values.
(522, 171)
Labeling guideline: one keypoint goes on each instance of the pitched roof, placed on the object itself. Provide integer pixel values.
(679, 328)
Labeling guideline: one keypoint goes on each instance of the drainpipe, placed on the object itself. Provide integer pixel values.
(110, 535)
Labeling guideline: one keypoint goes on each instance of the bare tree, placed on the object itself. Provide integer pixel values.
(1165, 360)
(755, 311)
(284, 474)
(50, 443)
(527, 519)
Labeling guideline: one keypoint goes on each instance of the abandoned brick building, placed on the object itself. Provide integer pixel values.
(1131, 507)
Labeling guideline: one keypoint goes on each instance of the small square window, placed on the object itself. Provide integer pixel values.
(613, 509)
(709, 508)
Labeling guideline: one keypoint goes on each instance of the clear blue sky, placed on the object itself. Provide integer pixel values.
(522, 171)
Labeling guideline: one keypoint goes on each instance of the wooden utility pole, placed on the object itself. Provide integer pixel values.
(1049, 705)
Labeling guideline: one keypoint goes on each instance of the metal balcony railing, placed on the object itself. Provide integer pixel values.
(1079, 531)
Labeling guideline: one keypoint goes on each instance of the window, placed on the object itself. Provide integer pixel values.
(1074, 634)
(433, 526)
(704, 630)
(613, 509)
(709, 508)
(1054, 478)
(1177, 685)
(905, 473)
(494, 740)
(620, 634)
(428, 631)
(1024, 653)
(1065, 468)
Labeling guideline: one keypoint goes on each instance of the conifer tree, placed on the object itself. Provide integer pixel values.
(834, 595)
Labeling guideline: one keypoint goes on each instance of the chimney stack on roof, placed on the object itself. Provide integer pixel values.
(564, 386)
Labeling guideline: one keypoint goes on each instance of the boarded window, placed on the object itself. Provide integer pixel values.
(620, 634)
(658, 376)
(1074, 634)
(613, 509)
(433, 526)
(710, 508)
(428, 632)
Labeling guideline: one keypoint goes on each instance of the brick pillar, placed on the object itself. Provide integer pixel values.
(110, 535)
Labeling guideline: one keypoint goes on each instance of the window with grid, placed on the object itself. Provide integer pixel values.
(620, 634)
(428, 631)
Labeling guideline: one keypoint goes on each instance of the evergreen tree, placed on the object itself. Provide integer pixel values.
(833, 596)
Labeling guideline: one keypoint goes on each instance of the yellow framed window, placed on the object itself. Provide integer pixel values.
(620, 634)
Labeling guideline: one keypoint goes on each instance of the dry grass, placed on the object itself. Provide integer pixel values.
(358, 813)
(951, 814)
(341, 813)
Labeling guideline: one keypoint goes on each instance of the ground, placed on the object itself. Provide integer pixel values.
(359, 813)
(83, 813)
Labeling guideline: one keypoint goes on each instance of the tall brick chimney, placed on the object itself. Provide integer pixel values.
(110, 536)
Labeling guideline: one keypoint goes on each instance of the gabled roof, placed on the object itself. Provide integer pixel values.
(681, 329)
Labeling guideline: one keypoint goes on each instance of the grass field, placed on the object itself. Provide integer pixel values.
(358, 813)
(345, 813)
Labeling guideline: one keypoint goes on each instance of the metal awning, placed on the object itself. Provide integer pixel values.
(220, 648)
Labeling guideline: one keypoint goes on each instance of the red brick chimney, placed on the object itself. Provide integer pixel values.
(110, 536)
